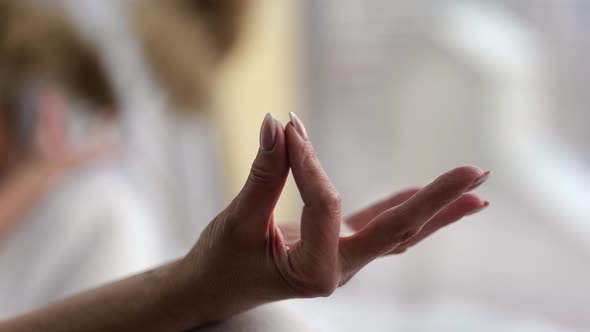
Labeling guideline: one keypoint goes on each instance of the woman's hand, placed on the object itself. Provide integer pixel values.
(243, 259)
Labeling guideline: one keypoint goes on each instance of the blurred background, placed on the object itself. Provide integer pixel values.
(393, 93)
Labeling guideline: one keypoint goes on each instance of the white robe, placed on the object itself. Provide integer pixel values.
(91, 229)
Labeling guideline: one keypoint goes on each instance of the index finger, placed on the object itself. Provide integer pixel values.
(320, 219)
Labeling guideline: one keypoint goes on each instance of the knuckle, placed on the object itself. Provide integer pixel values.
(399, 236)
(307, 153)
(398, 228)
(261, 175)
(331, 202)
(403, 230)
(308, 162)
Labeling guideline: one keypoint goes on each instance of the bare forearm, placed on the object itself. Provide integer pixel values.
(157, 300)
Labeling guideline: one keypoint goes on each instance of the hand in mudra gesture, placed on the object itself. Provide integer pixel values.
(244, 259)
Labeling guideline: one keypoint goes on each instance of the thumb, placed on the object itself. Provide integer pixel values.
(257, 200)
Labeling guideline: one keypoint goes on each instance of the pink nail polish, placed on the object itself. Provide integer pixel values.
(481, 180)
(485, 206)
(268, 133)
(298, 125)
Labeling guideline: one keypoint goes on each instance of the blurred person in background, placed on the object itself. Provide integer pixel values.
(67, 222)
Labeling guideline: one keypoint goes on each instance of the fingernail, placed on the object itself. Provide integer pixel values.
(485, 206)
(268, 133)
(481, 180)
(298, 125)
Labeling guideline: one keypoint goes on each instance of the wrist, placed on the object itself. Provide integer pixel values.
(206, 293)
(183, 296)
(169, 286)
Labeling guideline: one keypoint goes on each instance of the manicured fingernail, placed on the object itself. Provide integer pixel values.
(485, 206)
(268, 133)
(481, 180)
(298, 125)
